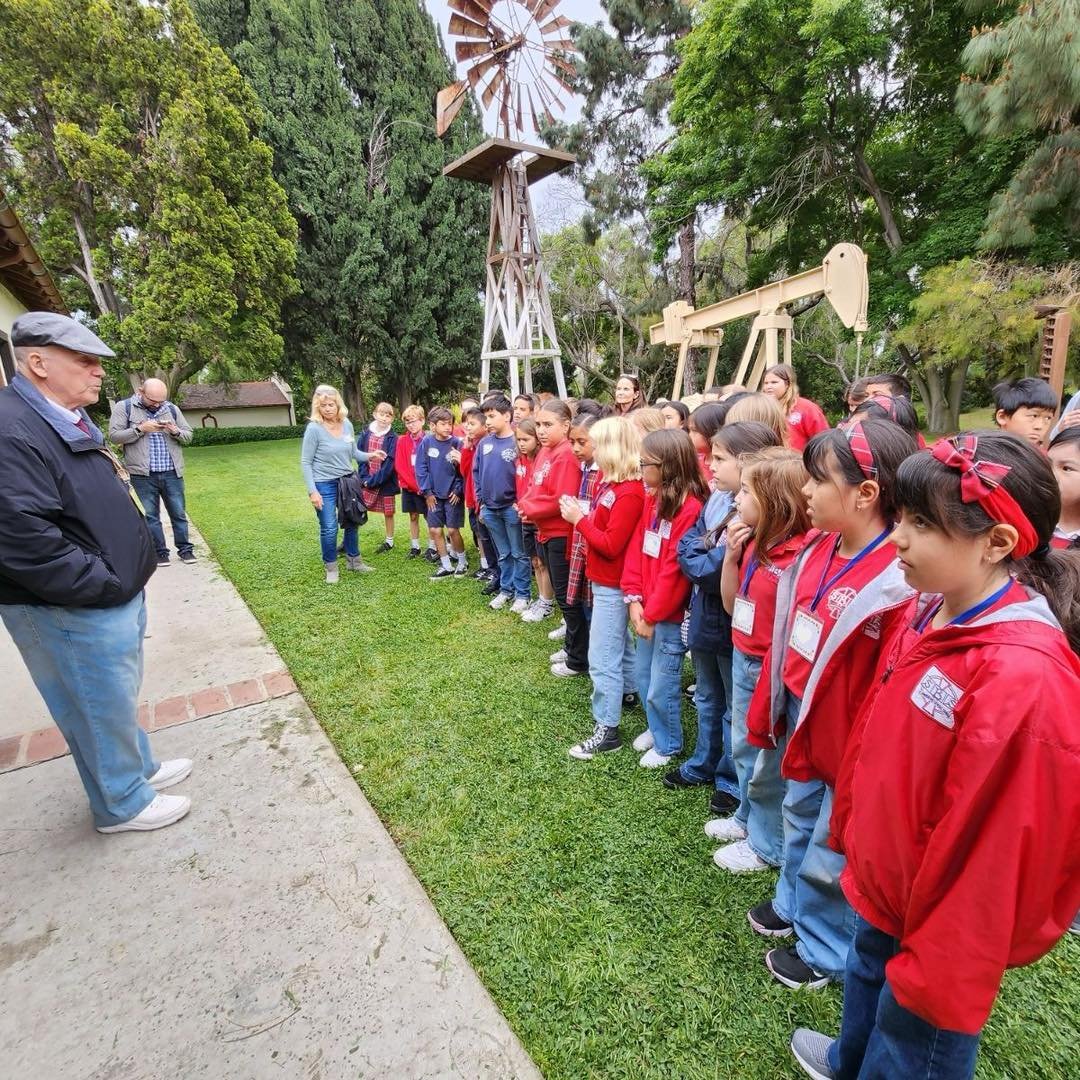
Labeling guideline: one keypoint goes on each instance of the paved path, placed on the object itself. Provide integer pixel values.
(275, 932)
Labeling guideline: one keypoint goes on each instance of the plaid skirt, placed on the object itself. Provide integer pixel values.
(381, 504)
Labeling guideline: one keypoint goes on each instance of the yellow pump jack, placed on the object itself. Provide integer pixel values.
(841, 278)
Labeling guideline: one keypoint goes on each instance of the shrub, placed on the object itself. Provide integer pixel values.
(222, 436)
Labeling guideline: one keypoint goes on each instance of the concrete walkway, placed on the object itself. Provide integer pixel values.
(275, 932)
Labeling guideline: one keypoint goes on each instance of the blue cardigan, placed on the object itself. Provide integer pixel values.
(382, 477)
(710, 624)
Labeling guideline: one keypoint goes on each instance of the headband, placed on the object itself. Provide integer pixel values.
(980, 482)
(860, 447)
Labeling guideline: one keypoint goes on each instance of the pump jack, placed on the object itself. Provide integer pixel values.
(841, 278)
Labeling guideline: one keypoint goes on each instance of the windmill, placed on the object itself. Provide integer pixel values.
(516, 51)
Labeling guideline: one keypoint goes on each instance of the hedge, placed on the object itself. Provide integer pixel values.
(208, 436)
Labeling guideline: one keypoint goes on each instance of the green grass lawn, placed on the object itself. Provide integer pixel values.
(583, 893)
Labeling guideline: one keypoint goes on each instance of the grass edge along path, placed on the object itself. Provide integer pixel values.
(583, 893)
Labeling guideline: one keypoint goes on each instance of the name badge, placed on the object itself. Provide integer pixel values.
(412, 460)
(806, 635)
(586, 507)
(651, 543)
(742, 618)
(432, 451)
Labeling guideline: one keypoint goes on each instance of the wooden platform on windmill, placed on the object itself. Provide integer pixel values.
(482, 163)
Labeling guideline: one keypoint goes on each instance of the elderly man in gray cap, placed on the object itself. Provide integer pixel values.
(75, 554)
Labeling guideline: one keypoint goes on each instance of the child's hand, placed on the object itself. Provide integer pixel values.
(454, 455)
(570, 509)
(430, 500)
(739, 535)
(643, 629)
(454, 500)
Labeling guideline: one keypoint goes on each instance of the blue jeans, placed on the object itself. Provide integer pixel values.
(879, 1038)
(611, 655)
(167, 488)
(765, 824)
(711, 760)
(808, 893)
(658, 670)
(87, 664)
(328, 524)
(745, 672)
(515, 572)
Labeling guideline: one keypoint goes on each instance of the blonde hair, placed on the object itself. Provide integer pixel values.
(616, 449)
(791, 394)
(324, 391)
(413, 412)
(646, 419)
(762, 408)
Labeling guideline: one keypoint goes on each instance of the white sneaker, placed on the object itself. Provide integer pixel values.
(644, 741)
(565, 672)
(725, 828)
(500, 601)
(538, 611)
(652, 760)
(170, 772)
(739, 858)
(519, 606)
(558, 633)
(164, 810)
(558, 657)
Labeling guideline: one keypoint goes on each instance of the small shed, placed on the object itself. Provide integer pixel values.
(241, 404)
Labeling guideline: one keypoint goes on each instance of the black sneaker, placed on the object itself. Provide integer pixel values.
(675, 780)
(383, 548)
(414, 553)
(431, 555)
(188, 557)
(631, 701)
(602, 741)
(721, 804)
(163, 560)
(442, 574)
(491, 588)
(787, 967)
(481, 573)
(766, 922)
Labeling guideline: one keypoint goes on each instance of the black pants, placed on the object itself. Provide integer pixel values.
(482, 539)
(577, 628)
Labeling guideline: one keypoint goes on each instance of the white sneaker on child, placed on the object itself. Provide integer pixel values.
(739, 858)
(500, 601)
(539, 611)
(558, 633)
(643, 742)
(558, 657)
(652, 760)
(519, 606)
(725, 828)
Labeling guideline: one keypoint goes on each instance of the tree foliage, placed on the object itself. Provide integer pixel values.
(391, 252)
(132, 147)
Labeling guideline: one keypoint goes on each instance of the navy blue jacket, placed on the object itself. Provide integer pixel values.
(435, 475)
(70, 532)
(710, 624)
(379, 475)
(494, 471)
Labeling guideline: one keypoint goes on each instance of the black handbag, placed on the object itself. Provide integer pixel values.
(351, 510)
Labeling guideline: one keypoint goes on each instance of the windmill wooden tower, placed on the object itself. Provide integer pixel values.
(519, 55)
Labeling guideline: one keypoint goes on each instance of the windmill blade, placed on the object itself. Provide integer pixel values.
(559, 62)
(543, 9)
(493, 87)
(462, 27)
(532, 110)
(566, 44)
(561, 23)
(553, 74)
(478, 10)
(448, 102)
(470, 50)
(480, 69)
(548, 116)
(504, 110)
(519, 118)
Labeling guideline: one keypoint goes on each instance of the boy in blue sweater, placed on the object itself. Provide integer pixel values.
(441, 485)
(494, 481)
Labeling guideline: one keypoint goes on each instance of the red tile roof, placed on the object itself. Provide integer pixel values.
(21, 268)
(241, 395)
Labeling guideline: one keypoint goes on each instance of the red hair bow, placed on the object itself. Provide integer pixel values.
(860, 447)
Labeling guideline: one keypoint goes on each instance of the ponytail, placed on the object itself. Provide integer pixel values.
(1056, 576)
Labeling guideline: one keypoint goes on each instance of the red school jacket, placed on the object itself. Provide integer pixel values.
(958, 807)
(609, 529)
(405, 461)
(523, 471)
(556, 472)
(864, 619)
(659, 581)
(761, 592)
(805, 420)
(465, 468)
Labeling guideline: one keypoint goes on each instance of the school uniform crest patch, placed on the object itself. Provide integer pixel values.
(937, 696)
(838, 601)
(872, 627)
(607, 500)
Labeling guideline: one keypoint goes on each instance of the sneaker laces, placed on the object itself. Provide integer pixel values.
(595, 739)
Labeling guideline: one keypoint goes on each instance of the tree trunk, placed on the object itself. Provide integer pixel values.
(352, 392)
(881, 201)
(957, 381)
(405, 396)
(687, 290)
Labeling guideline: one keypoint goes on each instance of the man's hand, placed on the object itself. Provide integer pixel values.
(430, 500)
(316, 500)
(172, 429)
(149, 425)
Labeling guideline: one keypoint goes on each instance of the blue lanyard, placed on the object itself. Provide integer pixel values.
(824, 586)
(751, 567)
(965, 616)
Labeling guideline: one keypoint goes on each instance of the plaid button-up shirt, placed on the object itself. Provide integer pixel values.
(160, 458)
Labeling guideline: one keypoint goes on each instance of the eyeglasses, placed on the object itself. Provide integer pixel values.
(650, 464)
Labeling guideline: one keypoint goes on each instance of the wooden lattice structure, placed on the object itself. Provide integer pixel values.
(1055, 344)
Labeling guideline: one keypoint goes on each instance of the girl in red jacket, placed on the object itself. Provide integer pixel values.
(805, 418)
(1064, 454)
(835, 609)
(607, 530)
(655, 588)
(556, 473)
(958, 803)
(528, 447)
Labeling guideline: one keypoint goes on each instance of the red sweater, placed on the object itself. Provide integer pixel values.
(761, 592)
(523, 471)
(465, 468)
(958, 807)
(805, 420)
(556, 473)
(659, 580)
(405, 461)
(609, 529)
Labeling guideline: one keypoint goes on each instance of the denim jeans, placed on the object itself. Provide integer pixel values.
(879, 1038)
(745, 672)
(87, 664)
(711, 761)
(808, 893)
(328, 524)
(167, 488)
(611, 655)
(515, 573)
(765, 790)
(658, 670)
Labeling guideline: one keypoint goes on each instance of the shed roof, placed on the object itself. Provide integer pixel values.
(240, 395)
(21, 270)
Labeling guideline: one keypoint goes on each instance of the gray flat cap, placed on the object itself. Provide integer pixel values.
(47, 328)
